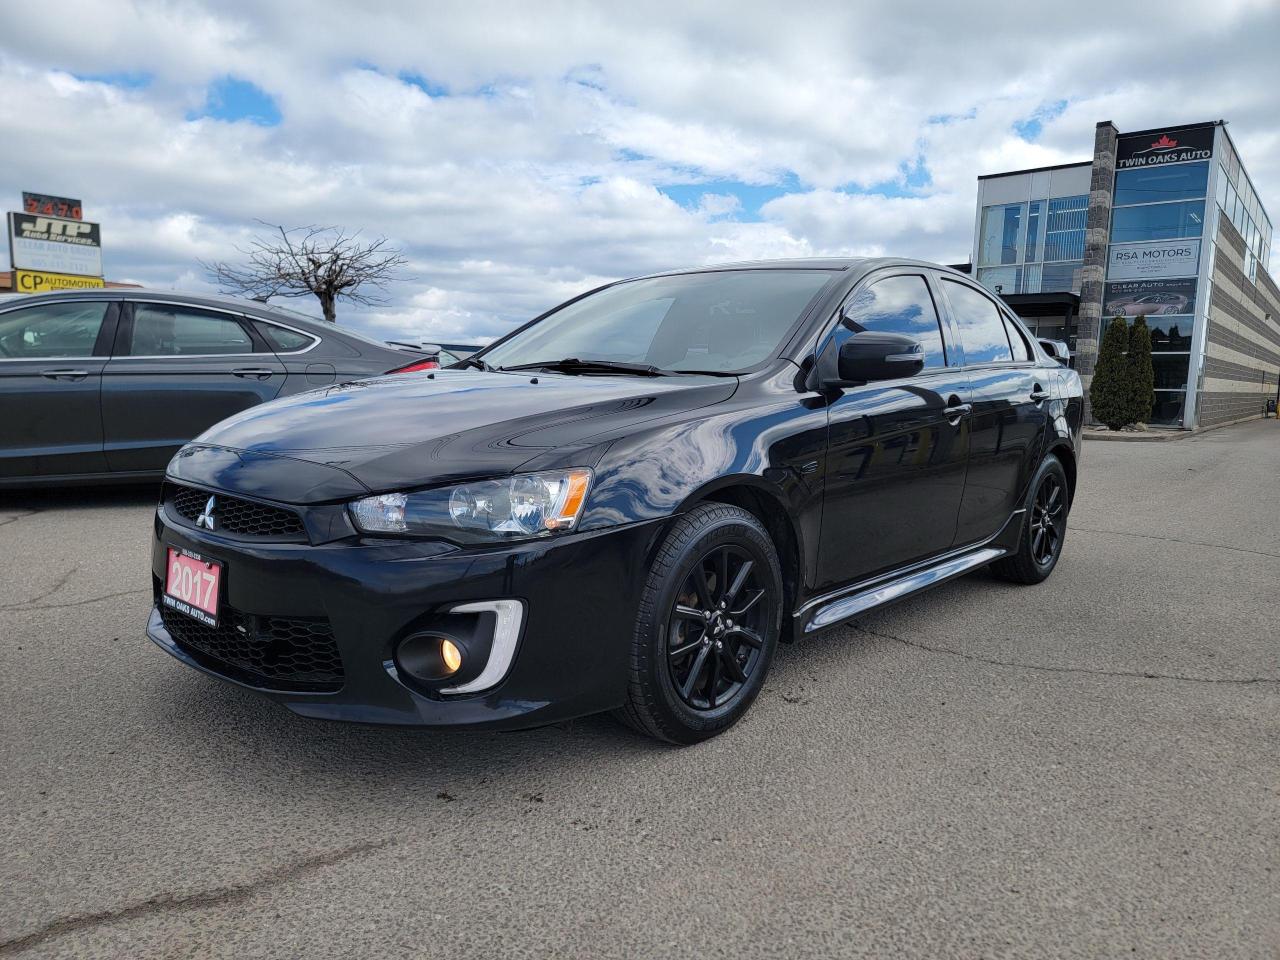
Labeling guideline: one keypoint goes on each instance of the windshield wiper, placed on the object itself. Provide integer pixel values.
(473, 362)
(574, 365)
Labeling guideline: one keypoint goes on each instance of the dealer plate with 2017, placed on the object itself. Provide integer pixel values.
(191, 586)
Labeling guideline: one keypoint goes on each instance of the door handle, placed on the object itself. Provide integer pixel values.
(72, 375)
(1039, 393)
(956, 411)
(257, 373)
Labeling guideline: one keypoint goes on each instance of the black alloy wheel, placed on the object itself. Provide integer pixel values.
(714, 630)
(1044, 526)
(709, 620)
(1047, 512)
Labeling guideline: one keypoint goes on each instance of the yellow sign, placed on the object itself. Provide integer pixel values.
(30, 281)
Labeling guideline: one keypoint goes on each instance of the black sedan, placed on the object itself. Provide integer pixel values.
(108, 384)
(625, 504)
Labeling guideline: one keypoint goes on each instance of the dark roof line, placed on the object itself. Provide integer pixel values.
(1055, 166)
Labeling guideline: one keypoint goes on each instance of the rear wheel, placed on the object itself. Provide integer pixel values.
(1044, 527)
(710, 616)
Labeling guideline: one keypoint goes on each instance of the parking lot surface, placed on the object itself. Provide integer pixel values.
(1090, 767)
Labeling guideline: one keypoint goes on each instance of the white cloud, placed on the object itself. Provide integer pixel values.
(525, 165)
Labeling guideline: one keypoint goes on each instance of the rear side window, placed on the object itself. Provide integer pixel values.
(898, 305)
(1021, 349)
(283, 340)
(51, 330)
(981, 327)
(161, 330)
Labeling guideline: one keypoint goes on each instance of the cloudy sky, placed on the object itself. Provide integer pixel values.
(519, 154)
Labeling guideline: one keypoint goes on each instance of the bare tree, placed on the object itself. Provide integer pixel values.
(324, 262)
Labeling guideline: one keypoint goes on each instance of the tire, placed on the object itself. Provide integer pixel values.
(1044, 527)
(684, 625)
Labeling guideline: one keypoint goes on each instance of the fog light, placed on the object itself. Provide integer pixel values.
(432, 656)
(450, 655)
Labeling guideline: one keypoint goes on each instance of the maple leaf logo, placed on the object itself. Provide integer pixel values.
(1164, 143)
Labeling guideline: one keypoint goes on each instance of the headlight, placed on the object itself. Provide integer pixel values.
(514, 508)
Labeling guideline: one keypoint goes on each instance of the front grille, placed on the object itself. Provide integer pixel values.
(286, 653)
(245, 518)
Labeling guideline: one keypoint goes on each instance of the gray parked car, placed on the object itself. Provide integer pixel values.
(108, 384)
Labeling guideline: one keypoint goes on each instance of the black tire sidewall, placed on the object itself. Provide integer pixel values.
(682, 722)
(1050, 465)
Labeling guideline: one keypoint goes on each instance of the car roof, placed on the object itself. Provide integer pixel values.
(836, 264)
(218, 300)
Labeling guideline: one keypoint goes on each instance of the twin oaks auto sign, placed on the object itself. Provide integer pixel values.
(58, 245)
(1156, 259)
(1173, 146)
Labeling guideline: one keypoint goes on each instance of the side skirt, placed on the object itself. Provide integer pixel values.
(828, 611)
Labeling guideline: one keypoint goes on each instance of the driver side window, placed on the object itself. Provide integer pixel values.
(900, 304)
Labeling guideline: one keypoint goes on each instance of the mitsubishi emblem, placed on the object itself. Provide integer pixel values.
(206, 516)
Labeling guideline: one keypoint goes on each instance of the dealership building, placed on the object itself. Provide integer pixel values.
(1162, 223)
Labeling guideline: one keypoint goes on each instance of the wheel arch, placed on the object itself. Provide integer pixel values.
(1067, 457)
(766, 505)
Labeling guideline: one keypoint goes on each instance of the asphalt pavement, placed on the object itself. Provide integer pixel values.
(1086, 768)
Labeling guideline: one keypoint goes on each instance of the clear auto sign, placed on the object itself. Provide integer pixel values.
(55, 245)
(1155, 259)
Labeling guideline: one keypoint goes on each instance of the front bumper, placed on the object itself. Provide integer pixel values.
(580, 594)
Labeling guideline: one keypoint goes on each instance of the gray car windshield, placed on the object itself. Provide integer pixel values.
(723, 322)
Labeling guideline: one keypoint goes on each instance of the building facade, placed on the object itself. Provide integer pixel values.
(1163, 224)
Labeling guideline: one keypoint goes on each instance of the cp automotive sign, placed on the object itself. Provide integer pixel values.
(31, 281)
(1174, 146)
(55, 245)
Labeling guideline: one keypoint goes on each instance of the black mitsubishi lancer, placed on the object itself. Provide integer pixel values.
(624, 505)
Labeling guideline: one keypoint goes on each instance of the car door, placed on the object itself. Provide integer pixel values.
(896, 449)
(51, 360)
(1010, 395)
(176, 370)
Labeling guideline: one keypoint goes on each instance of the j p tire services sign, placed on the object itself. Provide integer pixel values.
(57, 245)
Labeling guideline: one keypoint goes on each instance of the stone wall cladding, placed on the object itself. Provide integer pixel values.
(1242, 346)
(1217, 408)
(1093, 274)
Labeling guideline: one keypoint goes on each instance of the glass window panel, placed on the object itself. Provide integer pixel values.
(1032, 251)
(899, 305)
(1177, 181)
(1170, 370)
(1021, 349)
(981, 327)
(1031, 278)
(1000, 279)
(1159, 221)
(1061, 277)
(283, 339)
(727, 320)
(160, 330)
(1064, 228)
(51, 330)
(1000, 232)
(1170, 334)
(1167, 408)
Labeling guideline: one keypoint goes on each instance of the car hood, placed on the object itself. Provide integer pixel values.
(408, 430)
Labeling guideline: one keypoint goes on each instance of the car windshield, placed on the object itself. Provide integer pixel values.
(722, 322)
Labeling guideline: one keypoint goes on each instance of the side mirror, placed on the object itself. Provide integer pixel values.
(1058, 350)
(869, 355)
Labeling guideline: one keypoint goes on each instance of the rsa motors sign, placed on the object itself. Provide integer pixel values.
(1158, 258)
(55, 245)
(1175, 146)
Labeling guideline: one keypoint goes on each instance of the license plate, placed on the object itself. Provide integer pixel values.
(191, 586)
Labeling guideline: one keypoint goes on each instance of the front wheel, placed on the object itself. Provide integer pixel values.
(709, 621)
(1044, 527)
